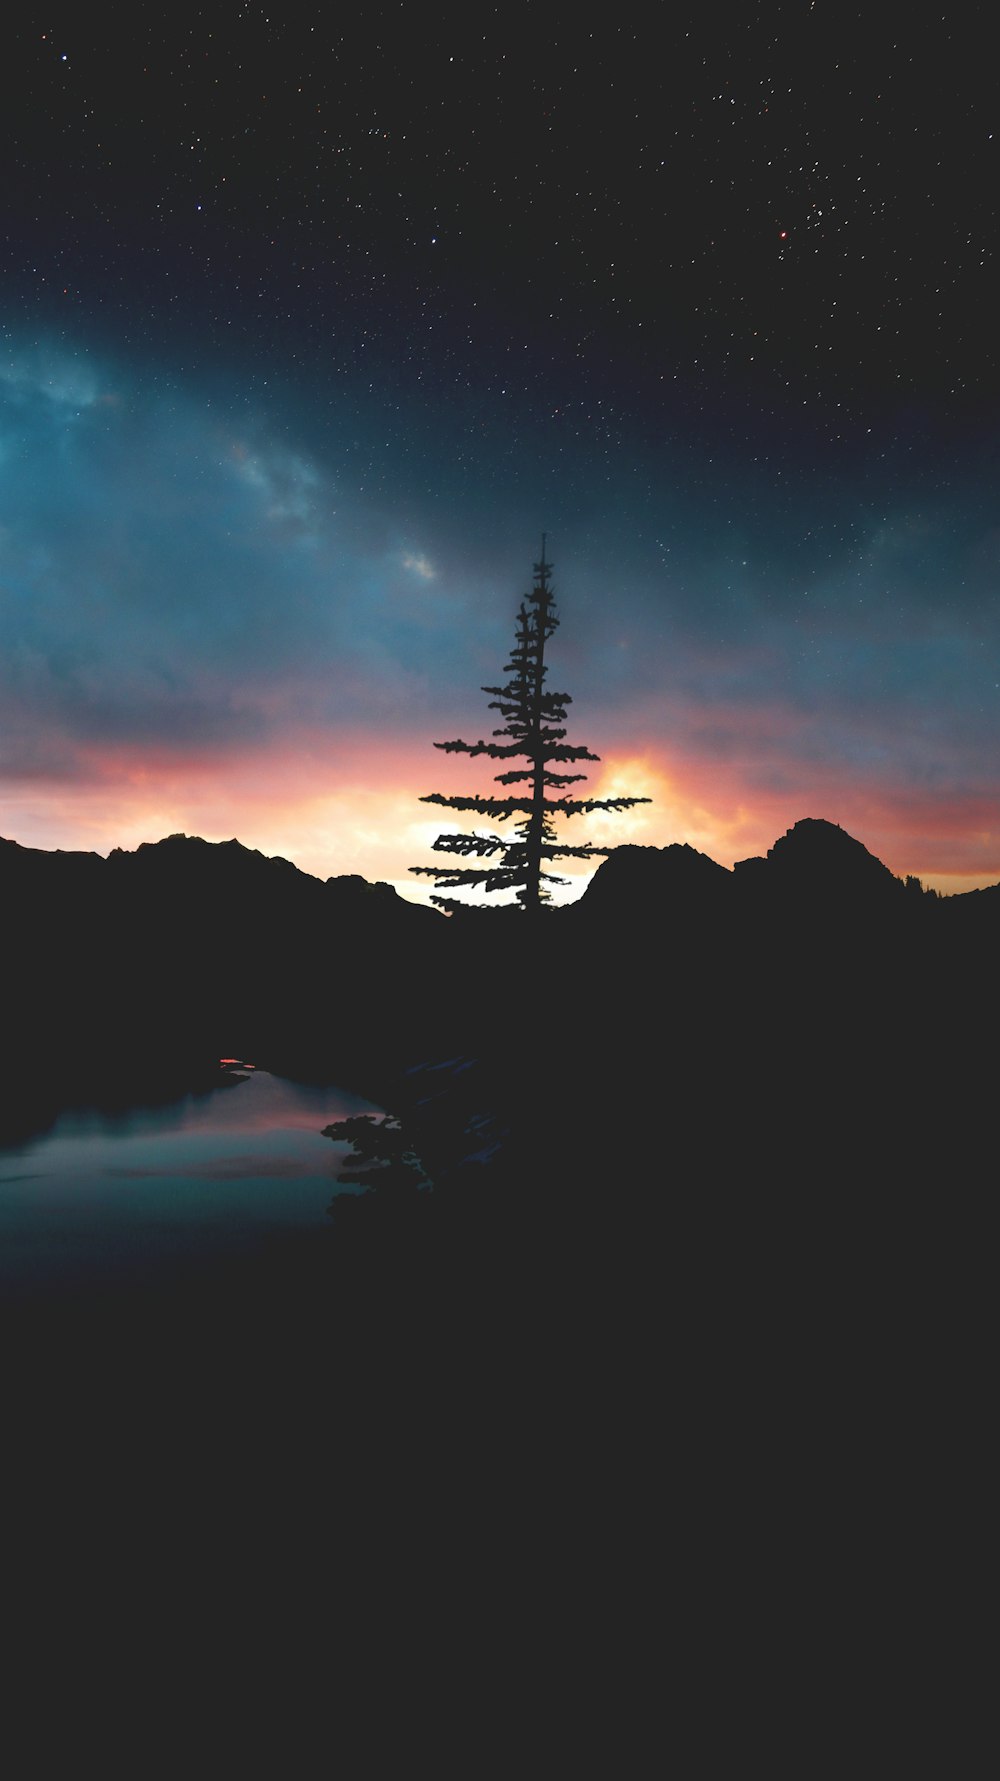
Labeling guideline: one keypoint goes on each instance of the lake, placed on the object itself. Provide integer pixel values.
(103, 1196)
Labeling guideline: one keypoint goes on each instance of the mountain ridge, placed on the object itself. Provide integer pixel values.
(812, 847)
(785, 1009)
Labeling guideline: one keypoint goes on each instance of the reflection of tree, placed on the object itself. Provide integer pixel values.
(384, 1157)
(534, 725)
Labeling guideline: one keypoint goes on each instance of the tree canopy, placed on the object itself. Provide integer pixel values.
(532, 738)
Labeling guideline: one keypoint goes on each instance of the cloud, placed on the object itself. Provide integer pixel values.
(166, 577)
(192, 582)
(289, 487)
(419, 565)
(64, 380)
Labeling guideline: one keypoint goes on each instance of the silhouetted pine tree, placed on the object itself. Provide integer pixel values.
(533, 726)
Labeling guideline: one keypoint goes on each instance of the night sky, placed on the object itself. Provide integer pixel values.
(309, 329)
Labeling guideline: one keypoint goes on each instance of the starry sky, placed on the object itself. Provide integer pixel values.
(310, 325)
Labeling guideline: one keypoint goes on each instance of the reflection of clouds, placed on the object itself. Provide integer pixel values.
(230, 1168)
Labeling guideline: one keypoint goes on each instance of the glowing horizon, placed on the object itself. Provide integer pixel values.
(373, 824)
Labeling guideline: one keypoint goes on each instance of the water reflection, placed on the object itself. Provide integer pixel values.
(104, 1192)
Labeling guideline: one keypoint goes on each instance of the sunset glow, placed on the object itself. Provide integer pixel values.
(373, 823)
(280, 435)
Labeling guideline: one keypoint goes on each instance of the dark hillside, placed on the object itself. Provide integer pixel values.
(713, 1173)
(146, 967)
(806, 1014)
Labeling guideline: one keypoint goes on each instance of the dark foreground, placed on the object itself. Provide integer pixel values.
(662, 1422)
(725, 1462)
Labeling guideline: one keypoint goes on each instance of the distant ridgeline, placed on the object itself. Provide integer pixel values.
(671, 977)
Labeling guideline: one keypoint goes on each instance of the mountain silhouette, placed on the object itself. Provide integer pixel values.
(814, 861)
(818, 860)
(806, 990)
(652, 880)
(147, 966)
(696, 1107)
